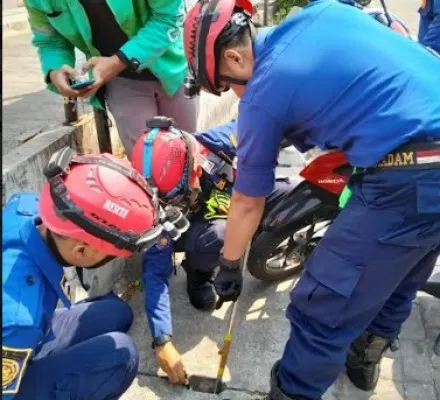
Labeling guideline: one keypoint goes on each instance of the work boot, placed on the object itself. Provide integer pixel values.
(363, 360)
(200, 288)
(275, 391)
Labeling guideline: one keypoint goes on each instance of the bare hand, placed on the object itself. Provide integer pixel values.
(61, 79)
(104, 70)
(170, 361)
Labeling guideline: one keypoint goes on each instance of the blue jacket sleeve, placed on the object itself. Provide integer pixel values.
(157, 268)
(222, 138)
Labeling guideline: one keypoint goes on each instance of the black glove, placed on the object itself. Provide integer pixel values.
(228, 281)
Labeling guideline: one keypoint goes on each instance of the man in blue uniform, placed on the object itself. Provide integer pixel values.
(375, 96)
(80, 351)
(429, 28)
(207, 200)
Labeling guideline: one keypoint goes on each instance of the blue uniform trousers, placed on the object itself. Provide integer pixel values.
(363, 275)
(89, 357)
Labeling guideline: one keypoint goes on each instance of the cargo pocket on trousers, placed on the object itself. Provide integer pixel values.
(324, 290)
(421, 228)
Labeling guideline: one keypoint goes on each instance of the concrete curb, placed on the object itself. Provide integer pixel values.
(23, 166)
(15, 21)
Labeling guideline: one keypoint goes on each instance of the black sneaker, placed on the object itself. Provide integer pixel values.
(363, 360)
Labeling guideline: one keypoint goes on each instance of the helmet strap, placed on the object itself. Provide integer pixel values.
(54, 249)
(60, 259)
(235, 81)
(102, 262)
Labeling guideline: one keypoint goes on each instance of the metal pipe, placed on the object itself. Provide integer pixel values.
(265, 12)
(224, 352)
(70, 111)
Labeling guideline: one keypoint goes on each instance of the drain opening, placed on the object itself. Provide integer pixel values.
(204, 384)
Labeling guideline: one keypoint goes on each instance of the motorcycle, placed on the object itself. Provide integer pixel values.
(291, 228)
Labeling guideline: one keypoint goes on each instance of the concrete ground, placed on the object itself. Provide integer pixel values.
(412, 373)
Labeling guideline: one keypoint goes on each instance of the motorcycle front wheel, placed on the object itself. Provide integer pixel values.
(275, 255)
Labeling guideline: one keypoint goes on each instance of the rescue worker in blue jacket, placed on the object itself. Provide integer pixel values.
(79, 351)
(429, 28)
(194, 172)
(372, 94)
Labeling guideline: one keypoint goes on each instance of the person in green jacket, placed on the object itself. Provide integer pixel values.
(135, 54)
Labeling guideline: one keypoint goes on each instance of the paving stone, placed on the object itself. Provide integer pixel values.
(386, 389)
(259, 336)
(430, 311)
(391, 368)
(418, 391)
(413, 328)
(437, 381)
(416, 361)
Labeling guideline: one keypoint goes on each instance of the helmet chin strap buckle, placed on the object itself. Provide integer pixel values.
(174, 222)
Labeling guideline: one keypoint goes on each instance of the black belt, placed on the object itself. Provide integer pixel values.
(418, 155)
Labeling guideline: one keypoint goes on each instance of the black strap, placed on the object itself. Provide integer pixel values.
(189, 156)
(207, 17)
(228, 79)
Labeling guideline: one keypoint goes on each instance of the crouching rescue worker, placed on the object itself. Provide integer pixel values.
(306, 80)
(91, 210)
(196, 174)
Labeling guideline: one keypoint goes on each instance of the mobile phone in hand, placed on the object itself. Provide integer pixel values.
(83, 83)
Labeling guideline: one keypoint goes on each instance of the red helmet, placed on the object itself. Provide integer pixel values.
(101, 201)
(209, 25)
(165, 156)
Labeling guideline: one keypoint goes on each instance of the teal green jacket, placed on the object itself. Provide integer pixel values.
(154, 29)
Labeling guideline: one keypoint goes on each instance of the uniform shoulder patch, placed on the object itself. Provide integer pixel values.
(14, 363)
(27, 204)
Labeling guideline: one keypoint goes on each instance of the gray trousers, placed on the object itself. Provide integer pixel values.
(132, 103)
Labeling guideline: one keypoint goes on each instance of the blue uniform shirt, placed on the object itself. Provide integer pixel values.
(32, 284)
(333, 77)
(429, 29)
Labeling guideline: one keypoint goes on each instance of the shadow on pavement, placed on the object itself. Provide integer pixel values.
(258, 340)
